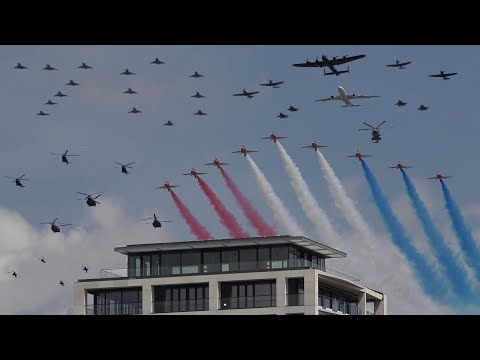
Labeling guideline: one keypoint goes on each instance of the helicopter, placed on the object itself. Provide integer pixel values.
(55, 228)
(125, 166)
(18, 180)
(156, 223)
(64, 156)
(90, 199)
(375, 132)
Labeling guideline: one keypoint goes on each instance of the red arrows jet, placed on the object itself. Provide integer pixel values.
(314, 146)
(244, 151)
(274, 137)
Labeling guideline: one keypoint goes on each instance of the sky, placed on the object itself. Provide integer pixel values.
(93, 122)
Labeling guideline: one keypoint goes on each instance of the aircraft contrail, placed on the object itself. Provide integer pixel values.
(313, 211)
(281, 214)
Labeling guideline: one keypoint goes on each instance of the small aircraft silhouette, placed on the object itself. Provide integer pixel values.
(55, 228)
(194, 173)
(60, 94)
(400, 166)
(18, 180)
(91, 201)
(135, 111)
(127, 72)
(50, 102)
(48, 67)
(400, 65)
(84, 268)
(282, 116)
(64, 156)
(443, 75)
(422, 108)
(273, 137)
(217, 163)
(20, 66)
(43, 260)
(156, 223)
(375, 132)
(196, 75)
(273, 84)
(314, 146)
(84, 66)
(291, 108)
(168, 123)
(243, 150)
(199, 112)
(197, 95)
(401, 103)
(157, 61)
(247, 94)
(61, 283)
(41, 113)
(440, 177)
(125, 166)
(130, 91)
(359, 155)
(166, 185)
(14, 274)
(72, 83)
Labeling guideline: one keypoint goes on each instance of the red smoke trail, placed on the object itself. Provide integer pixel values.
(251, 214)
(226, 217)
(200, 232)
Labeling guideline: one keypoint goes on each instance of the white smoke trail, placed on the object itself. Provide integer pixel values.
(280, 212)
(316, 214)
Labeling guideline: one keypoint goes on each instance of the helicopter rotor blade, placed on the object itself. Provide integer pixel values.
(82, 193)
(381, 124)
(118, 163)
(54, 220)
(55, 154)
(365, 129)
(96, 197)
(72, 155)
(130, 163)
(45, 223)
(9, 177)
(368, 125)
(66, 152)
(22, 176)
(147, 219)
(165, 220)
(97, 202)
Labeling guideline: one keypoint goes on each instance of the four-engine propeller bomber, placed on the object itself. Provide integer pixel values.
(156, 223)
(346, 98)
(400, 166)
(243, 150)
(55, 228)
(375, 132)
(125, 166)
(314, 146)
(440, 177)
(194, 173)
(217, 163)
(64, 156)
(91, 201)
(331, 63)
(18, 180)
(273, 137)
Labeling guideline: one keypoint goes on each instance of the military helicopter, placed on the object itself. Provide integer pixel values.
(55, 228)
(90, 199)
(125, 166)
(156, 223)
(375, 132)
(18, 180)
(64, 156)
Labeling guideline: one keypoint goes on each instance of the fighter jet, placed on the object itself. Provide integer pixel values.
(20, 66)
(401, 103)
(135, 111)
(41, 113)
(60, 94)
(273, 137)
(166, 185)
(156, 61)
(194, 173)
(168, 123)
(346, 98)
(292, 109)
(61, 283)
(48, 67)
(400, 166)
(399, 65)
(443, 75)
(314, 146)
(197, 95)
(72, 83)
(199, 112)
(125, 166)
(127, 72)
(50, 102)
(440, 177)
(130, 91)
(196, 75)
(243, 150)
(84, 66)
(217, 163)
(14, 274)
(247, 94)
(18, 180)
(359, 155)
(273, 84)
(64, 156)
(422, 108)
(282, 116)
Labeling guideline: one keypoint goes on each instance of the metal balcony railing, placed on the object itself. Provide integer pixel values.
(180, 306)
(337, 306)
(114, 309)
(247, 302)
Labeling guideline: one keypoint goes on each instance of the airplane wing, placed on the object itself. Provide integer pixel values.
(241, 94)
(344, 60)
(446, 177)
(393, 65)
(253, 93)
(268, 137)
(310, 64)
(236, 152)
(432, 177)
(187, 174)
(351, 155)
(361, 96)
(281, 137)
(210, 164)
(366, 155)
(330, 98)
(200, 173)
(438, 75)
(407, 166)
(451, 74)
(252, 151)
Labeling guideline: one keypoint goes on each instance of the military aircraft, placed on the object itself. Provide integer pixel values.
(273, 84)
(194, 173)
(60, 94)
(135, 111)
(217, 163)
(18, 180)
(168, 123)
(50, 102)
(375, 132)
(20, 66)
(125, 166)
(291, 108)
(346, 98)
(273, 137)
(156, 61)
(359, 155)
(443, 75)
(166, 185)
(400, 65)
(156, 223)
(48, 67)
(401, 103)
(331, 63)
(247, 94)
(199, 112)
(197, 95)
(41, 113)
(84, 66)
(61, 283)
(440, 177)
(91, 201)
(84, 268)
(127, 72)
(282, 116)
(43, 260)
(130, 91)
(64, 156)
(400, 166)
(314, 146)
(422, 108)
(243, 150)
(14, 274)
(72, 83)
(55, 228)
(196, 75)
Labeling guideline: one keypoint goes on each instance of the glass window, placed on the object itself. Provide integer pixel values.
(264, 258)
(191, 262)
(138, 266)
(155, 265)
(211, 261)
(308, 260)
(170, 263)
(146, 265)
(248, 259)
(279, 257)
(183, 298)
(295, 292)
(321, 264)
(130, 296)
(251, 294)
(229, 260)
(292, 257)
(314, 262)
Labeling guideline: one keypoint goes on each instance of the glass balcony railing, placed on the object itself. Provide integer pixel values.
(113, 273)
(180, 306)
(295, 299)
(336, 305)
(340, 274)
(247, 302)
(114, 309)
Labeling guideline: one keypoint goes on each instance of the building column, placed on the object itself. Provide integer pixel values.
(362, 304)
(380, 307)
(213, 296)
(281, 294)
(79, 300)
(310, 282)
(147, 299)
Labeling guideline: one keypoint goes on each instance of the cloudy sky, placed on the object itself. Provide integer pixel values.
(93, 122)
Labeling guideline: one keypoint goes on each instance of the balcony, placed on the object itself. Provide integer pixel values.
(114, 309)
(113, 273)
(172, 306)
(248, 302)
(338, 306)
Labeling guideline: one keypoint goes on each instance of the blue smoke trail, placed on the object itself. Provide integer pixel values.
(453, 271)
(429, 280)
(467, 243)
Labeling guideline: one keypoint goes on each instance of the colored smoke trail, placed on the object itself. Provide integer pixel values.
(249, 211)
(227, 219)
(280, 212)
(469, 248)
(452, 269)
(429, 280)
(200, 232)
(313, 211)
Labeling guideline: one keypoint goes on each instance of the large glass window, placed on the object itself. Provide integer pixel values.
(229, 260)
(191, 262)
(264, 258)
(336, 300)
(170, 263)
(155, 265)
(295, 292)
(146, 265)
(115, 302)
(279, 257)
(211, 261)
(251, 294)
(293, 257)
(138, 266)
(248, 259)
(181, 298)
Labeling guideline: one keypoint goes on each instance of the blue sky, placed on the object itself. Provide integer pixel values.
(94, 123)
